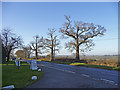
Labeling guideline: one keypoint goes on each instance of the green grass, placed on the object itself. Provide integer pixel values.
(116, 68)
(20, 78)
(89, 65)
(78, 64)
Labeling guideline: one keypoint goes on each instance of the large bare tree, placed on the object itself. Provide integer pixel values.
(37, 45)
(10, 41)
(81, 34)
(52, 43)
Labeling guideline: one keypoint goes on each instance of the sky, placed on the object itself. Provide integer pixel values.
(28, 19)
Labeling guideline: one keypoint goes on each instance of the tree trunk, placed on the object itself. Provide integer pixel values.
(36, 54)
(52, 58)
(8, 56)
(77, 53)
(77, 50)
(25, 55)
(28, 56)
(77, 47)
(3, 54)
(54, 52)
(36, 49)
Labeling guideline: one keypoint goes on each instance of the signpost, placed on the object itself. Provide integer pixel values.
(17, 62)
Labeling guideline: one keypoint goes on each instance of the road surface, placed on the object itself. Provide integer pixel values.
(67, 76)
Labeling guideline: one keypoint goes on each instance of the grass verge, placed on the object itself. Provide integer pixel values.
(19, 78)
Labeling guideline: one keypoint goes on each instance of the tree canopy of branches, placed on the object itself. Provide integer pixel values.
(51, 43)
(37, 45)
(10, 41)
(27, 51)
(3, 54)
(81, 33)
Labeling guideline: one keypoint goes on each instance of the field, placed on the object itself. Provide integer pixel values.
(19, 78)
(107, 60)
(97, 61)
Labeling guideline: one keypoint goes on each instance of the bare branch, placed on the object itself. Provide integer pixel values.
(37, 45)
(51, 43)
(81, 32)
(10, 41)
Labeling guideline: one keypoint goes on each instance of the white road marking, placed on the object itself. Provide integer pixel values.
(94, 78)
(85, 75)
(62, 70)
(69, 71)
(109, 81)
(116, 84)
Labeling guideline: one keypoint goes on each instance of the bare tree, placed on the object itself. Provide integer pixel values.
(27, 51)
(10, 41)
(52, 43)
(81, 33)
(12, 54)
(37, 45)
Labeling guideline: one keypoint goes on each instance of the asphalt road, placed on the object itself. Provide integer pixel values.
(66, 76)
